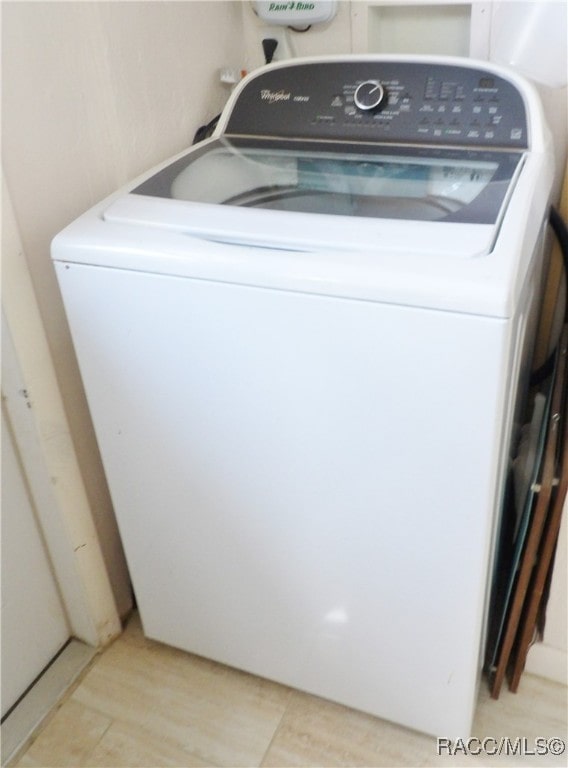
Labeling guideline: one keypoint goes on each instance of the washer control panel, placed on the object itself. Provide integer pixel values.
(390, 101)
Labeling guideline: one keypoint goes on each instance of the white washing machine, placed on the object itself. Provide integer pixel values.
(303, 344)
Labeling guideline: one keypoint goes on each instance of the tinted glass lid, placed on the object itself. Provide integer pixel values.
(342, 180)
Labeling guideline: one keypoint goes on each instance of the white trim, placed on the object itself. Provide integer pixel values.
(38, 703)
(35, 408)
(480, 30)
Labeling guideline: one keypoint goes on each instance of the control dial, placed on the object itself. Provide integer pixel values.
(369, 95)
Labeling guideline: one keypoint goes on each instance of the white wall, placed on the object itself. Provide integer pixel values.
(94, 93)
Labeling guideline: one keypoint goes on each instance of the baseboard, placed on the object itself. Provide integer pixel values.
(32, 710)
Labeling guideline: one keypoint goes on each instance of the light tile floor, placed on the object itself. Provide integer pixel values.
(144, 704)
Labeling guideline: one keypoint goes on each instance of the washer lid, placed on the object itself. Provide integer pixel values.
(342, 179)
(312, 195)
(440, 264)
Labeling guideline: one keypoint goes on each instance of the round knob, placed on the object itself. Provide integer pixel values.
(369, 95)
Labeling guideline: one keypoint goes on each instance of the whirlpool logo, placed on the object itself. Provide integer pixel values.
(274, 96)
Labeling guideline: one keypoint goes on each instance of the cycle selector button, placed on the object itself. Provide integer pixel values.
(369, 95)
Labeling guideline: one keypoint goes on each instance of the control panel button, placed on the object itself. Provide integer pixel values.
(369, 95)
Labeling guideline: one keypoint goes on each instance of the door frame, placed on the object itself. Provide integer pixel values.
(34, 406)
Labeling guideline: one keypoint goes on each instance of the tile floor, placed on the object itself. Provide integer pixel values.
(141, 703)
